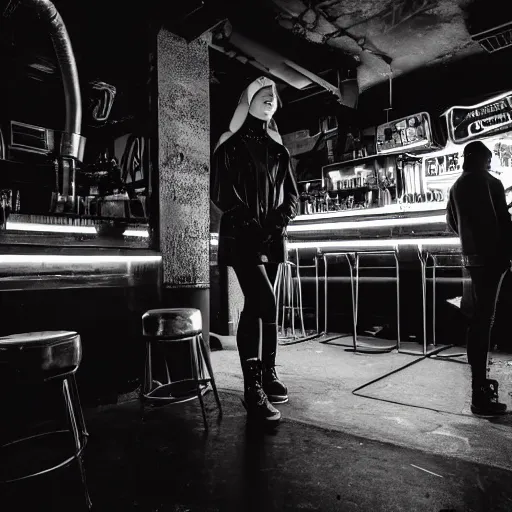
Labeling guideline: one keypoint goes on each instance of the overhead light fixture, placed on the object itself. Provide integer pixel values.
(387, 242)
(376, 223)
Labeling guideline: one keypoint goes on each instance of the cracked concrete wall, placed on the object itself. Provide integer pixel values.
(184, 160)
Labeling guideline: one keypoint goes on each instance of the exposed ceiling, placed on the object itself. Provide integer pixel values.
(371, 39)
(388, 37)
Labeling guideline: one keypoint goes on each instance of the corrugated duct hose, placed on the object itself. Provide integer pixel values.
(71, 143)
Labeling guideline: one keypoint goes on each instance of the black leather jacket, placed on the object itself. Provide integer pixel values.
(254, 186)
(477, 212)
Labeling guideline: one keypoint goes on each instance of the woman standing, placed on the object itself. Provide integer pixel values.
(255, 188)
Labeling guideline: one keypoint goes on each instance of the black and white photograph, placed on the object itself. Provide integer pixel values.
(255, 256)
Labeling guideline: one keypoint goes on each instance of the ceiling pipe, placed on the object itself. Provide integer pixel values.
(236, 45)
(72, 144)
(47, 12)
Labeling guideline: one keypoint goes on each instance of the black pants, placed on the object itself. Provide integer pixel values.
(258, 318)
(485, 285)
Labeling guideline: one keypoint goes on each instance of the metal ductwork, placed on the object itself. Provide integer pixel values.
(48, 14)
(71, 143)
(247, 51)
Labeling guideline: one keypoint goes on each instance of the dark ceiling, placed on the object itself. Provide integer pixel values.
(314, 49)
(373, 40)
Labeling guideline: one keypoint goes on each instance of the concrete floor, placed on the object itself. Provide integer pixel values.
(334, 451)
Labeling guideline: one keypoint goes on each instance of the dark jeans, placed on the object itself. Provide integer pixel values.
(485, 284)
(258, 318)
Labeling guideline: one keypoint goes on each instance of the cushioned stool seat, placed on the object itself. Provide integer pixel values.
(169, 325)
(47, 351)
(44, 356)
(172, 323)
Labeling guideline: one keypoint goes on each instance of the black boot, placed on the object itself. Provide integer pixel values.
(255, 400)
(485, 399)
(273, 387)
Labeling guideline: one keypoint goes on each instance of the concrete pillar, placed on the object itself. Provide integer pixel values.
(184, 171)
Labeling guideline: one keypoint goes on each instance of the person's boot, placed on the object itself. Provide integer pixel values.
(255, 400)
(275, 390)
(485, 401)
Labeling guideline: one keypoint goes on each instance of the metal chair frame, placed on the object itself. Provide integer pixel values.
(77, 428)
(424, 257)
(353, 259)
(394, 253)
(291, 297)
(199, 355)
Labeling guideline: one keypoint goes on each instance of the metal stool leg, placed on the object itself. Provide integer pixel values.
(325, 293)
(397, 270)
(289, 294)
(277, 290)
(76, 399)
(317, 296)
(167, 373)
(434, 301)
(299, 294)
(147, 380)
(292, 299)
(424, 303)
(203, 349)
(77, 435)
(354, 288)
(195, 374)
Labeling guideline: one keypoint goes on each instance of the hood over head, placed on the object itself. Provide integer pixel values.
(242, 110)
(475, 154)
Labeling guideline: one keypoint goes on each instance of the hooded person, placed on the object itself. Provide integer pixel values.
(254, 187)
(477, 212)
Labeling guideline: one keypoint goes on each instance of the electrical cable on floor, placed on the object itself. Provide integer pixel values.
(412, 363)
(300, 340)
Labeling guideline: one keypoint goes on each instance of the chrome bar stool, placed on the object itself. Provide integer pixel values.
(40, 357)
(288, 292)
(349, 257)
(434, 257)
(379, 252)
(172, 325)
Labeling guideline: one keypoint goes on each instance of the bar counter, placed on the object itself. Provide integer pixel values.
(413, 232)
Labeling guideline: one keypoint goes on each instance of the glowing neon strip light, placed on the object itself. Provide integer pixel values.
(68, 258)
(433, 219)
(390, 242)
(51, 228)
(381, 210)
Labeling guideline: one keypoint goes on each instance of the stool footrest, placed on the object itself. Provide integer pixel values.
(62, 464)
(163, 393)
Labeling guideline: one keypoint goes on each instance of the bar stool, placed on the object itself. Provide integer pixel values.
(40, 357)
(375, 345)
(288, 292)
(171, 325)
(350, 259)
(424, 257)
(353, 258)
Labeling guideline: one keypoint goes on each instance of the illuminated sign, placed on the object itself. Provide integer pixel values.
(491, 116)
(407, 133)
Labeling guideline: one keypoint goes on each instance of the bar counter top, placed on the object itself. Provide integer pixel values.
(33, 267)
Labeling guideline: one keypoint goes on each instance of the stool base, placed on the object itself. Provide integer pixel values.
(77, 429)
(365, 344)
(414, 348)
(200, 358)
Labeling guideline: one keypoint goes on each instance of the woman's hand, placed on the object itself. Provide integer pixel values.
(275, 224)
(244, 225)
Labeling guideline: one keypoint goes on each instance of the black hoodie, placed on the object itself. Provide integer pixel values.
(477, 212)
